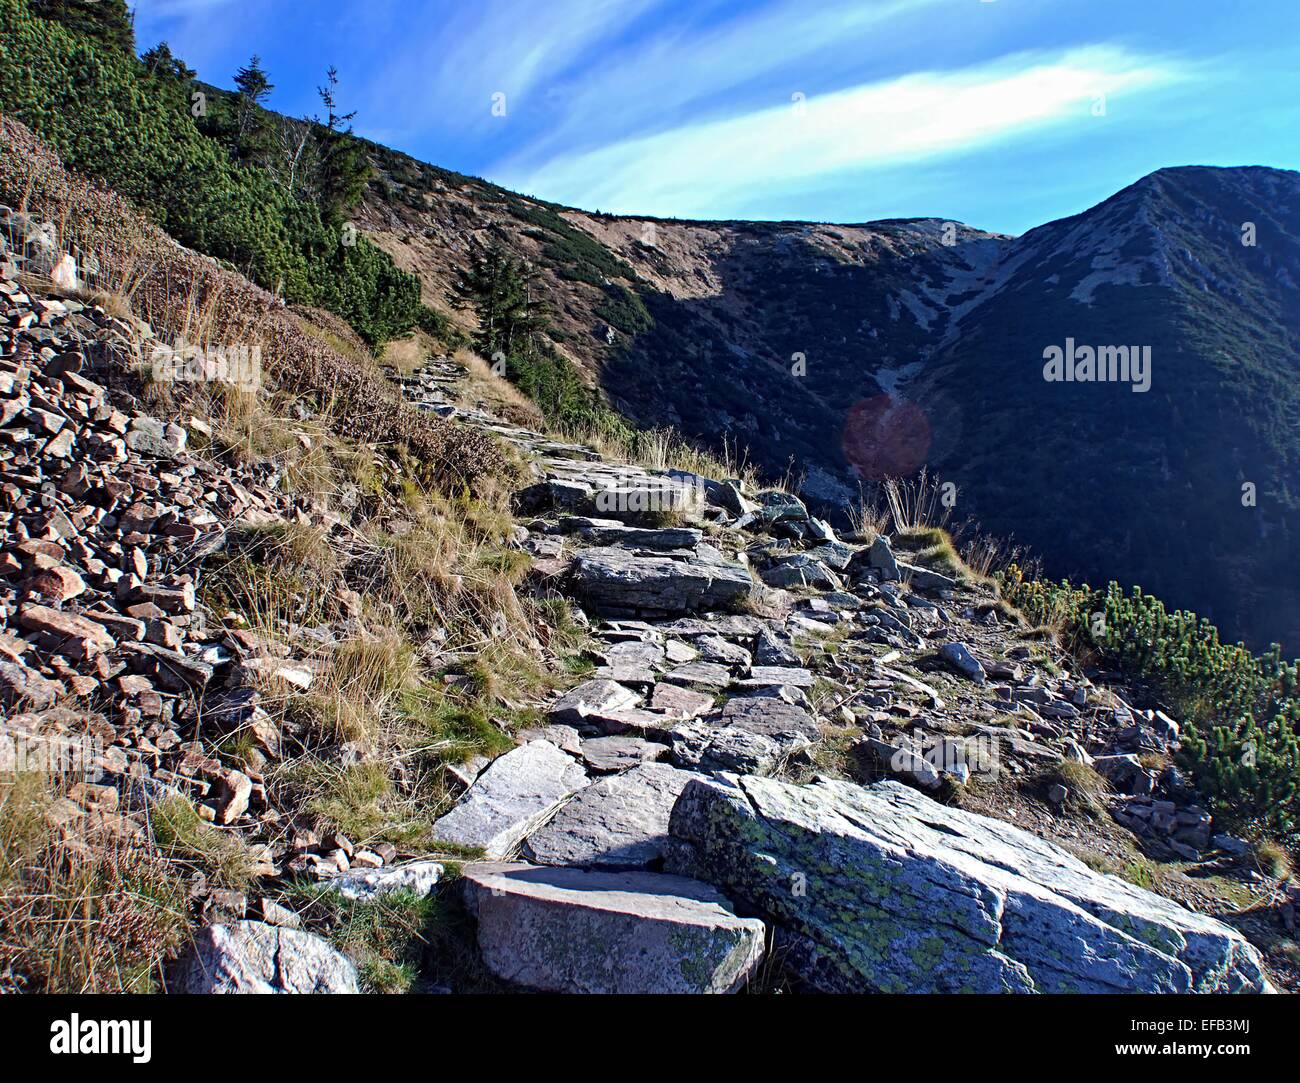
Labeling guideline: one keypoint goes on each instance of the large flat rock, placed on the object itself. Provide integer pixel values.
(630, 537)
(513, 795)
(593, 931)
(881, 888)
(618, 822)
(604, 755)
(680, 702)
(615, 580)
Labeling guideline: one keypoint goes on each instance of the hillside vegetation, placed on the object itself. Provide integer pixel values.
(865, 350)
(132, 125)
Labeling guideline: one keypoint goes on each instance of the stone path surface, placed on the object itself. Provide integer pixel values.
(736, 637)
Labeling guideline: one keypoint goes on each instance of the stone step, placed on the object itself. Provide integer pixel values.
(569, 930)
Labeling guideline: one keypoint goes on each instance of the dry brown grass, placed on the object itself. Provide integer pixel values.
(985, 555)
(1087, 789)
(189, 842)
(407, 355)
(485, 389)
(89, 912)
(666, 449)
(919, 502)
(869, 517)
(274, 575)
(1273, 859)
(358, 687)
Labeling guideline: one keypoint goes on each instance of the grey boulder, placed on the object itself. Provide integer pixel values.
(883, 889)
(618, 822)
(801, 570)
(592, 699)
(616, 580)
(959, 658)
(606, 754)
(778, 507)
(879, 557)
(631, 537)
(513, 795)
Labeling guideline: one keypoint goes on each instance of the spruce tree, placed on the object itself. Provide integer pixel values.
(343, 168)
(500, 290)
(252, 133)
(160, 60)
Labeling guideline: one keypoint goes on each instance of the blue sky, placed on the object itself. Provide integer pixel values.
(1000, 113)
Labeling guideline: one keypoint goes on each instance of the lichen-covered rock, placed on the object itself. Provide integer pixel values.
(569, 930)
(883, 889)
(251, 957)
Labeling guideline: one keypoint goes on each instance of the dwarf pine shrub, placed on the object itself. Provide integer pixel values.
(1240, 710)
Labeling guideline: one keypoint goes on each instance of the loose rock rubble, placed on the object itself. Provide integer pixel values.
(106, 654)
(104, 519)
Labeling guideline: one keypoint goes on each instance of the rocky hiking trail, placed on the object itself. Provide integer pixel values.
(795, 761)
(738, 649)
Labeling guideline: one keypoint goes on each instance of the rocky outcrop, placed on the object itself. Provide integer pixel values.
(883, 889)
(569, 930)
(252, 957)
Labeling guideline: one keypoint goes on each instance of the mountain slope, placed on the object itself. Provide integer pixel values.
(1147, 486)
(853, 352)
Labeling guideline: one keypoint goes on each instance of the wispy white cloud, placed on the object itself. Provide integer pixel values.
(583, 72)
(444, 76)
(786, 42)
(696, 168)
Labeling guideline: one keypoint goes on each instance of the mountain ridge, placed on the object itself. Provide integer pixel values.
(848, 350)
